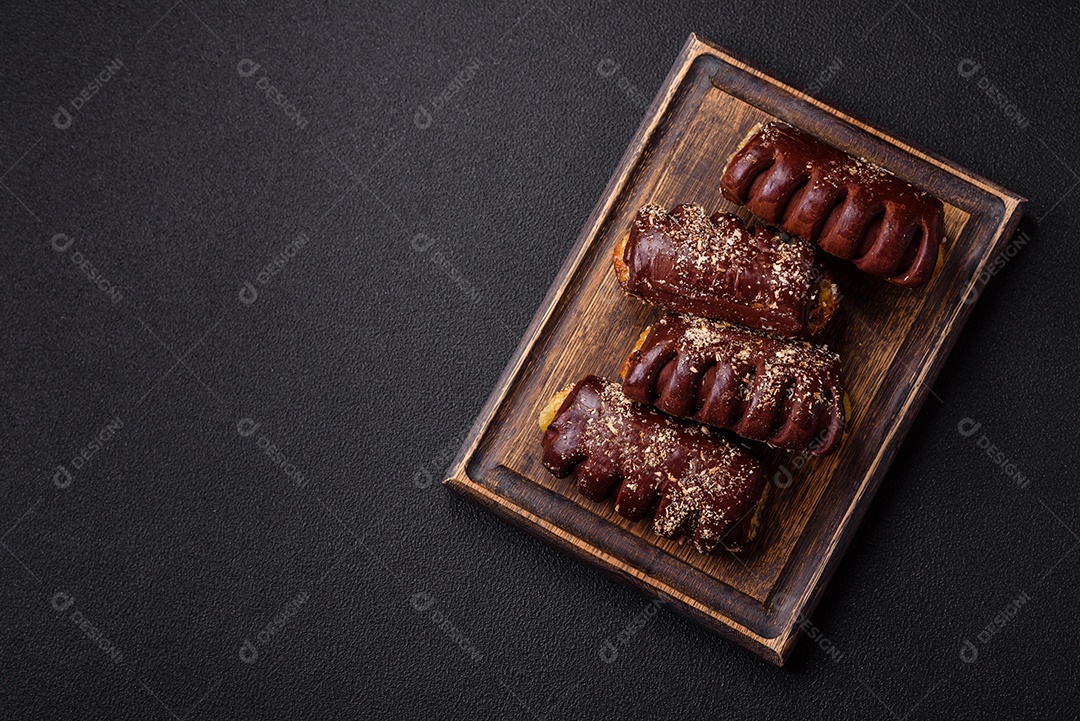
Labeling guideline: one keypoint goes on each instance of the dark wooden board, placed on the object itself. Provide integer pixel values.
(893, 342)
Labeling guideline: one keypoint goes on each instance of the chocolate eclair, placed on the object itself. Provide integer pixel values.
(848, 206)
(715, 267)
(693, 482)
(784, 392)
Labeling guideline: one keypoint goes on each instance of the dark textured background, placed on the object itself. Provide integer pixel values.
(367, 356)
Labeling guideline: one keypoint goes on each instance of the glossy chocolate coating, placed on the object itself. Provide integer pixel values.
(699, 483)
(715, 267)
(851, 208)
(784, 392)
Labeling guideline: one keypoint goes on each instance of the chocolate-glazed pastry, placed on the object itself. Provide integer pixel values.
(785, 392)
(715, 267)
(699, 483)
(851, 208)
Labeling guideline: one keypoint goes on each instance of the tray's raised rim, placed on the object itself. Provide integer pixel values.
(774, 649)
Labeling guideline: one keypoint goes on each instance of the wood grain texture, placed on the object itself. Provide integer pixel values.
(893, 342)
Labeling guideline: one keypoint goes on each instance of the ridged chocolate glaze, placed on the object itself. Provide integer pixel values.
(848, 206)
(784, 392)
(715, 267)
(698, 483)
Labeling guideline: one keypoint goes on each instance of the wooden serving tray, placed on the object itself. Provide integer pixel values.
(893, 343)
